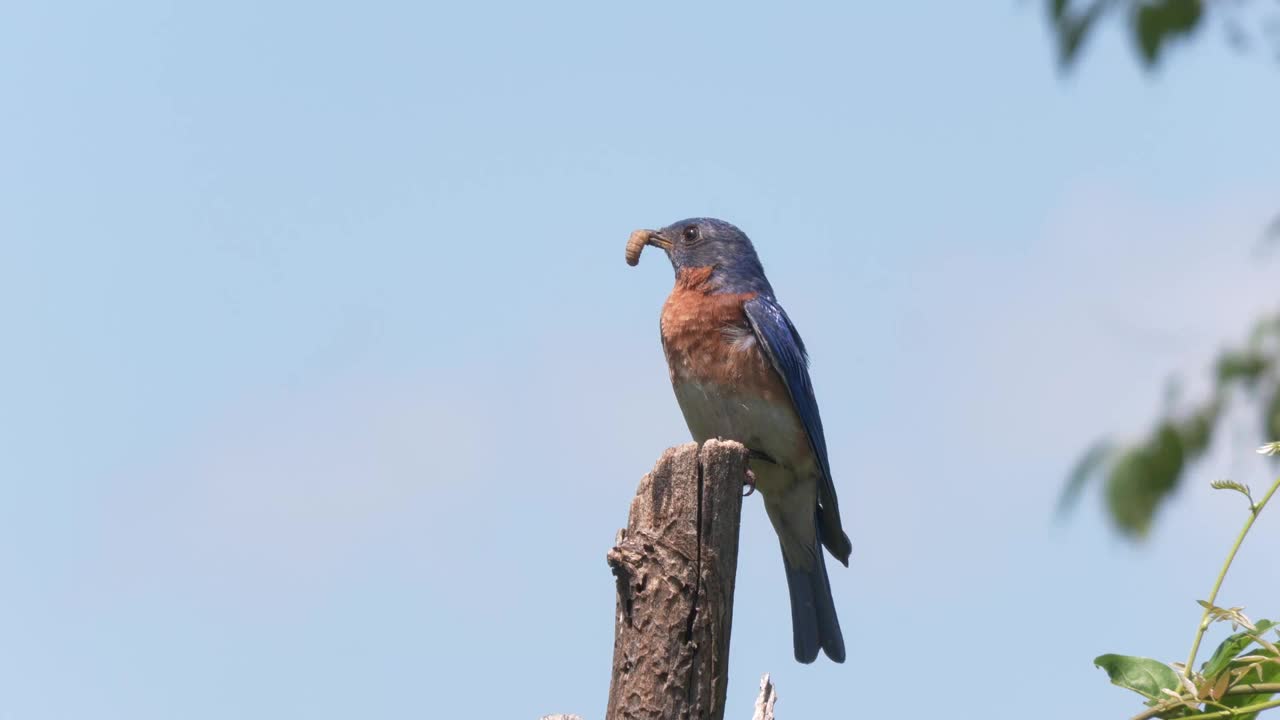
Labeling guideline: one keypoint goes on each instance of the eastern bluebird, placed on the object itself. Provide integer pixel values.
(740, 372)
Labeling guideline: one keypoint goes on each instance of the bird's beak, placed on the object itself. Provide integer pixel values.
(657, 240)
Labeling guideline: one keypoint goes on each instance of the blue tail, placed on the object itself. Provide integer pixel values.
(813, 612)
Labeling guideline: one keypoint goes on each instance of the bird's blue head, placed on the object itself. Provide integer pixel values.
(701, 243)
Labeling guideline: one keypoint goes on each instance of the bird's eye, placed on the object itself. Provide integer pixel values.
(690, 233)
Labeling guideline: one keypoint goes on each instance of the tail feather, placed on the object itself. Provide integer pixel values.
(814, 624)
(832, 536)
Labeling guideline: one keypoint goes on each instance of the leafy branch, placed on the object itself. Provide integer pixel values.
(1243, 674)
(1154, 25)
(1211, 612)
(1138, 478)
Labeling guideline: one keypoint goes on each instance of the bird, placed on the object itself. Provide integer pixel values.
(740, 371)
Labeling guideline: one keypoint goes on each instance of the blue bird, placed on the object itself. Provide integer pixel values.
(740, 372)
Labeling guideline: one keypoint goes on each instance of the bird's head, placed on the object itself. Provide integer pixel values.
(708, 245)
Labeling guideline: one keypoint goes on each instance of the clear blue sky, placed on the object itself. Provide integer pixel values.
(325, 387)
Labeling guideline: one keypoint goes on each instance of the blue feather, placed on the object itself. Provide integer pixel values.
(790, 360)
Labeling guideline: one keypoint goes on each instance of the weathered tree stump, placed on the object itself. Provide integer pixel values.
(765, 700)
(675, 565)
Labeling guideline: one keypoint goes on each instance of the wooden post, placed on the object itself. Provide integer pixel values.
(675, 565)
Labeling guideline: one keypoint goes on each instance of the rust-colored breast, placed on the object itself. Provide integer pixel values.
(708, 340)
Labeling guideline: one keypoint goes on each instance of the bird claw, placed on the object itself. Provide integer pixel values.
(751, 477)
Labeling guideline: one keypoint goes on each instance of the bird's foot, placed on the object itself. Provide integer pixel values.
(749, 483)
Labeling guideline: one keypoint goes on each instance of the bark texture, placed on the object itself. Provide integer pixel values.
(765, 700)
(675, 565)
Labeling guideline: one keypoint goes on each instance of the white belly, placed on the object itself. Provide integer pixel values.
(789, 484)
(713, 412)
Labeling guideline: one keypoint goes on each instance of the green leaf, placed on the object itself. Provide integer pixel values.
(1073, 28)
(1270, 673)
(1131, 499)
(1232, 485)
(1142, 478)
(1144, 676)
(1242, 366)
(1167, 457)
(1086, 467)
(1197, 430)
(1230, 648)
(1155, 23)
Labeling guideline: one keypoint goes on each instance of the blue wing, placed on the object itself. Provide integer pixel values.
(782, 343)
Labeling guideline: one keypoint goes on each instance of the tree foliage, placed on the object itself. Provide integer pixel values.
(1241, 678)
(1156, 25)
(1139, 477)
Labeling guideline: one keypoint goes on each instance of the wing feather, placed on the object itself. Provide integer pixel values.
(781, 342)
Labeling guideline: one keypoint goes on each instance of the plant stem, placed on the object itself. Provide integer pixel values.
(1213, 596)
(1253, 689)
(1248, 689)
(1233, 711)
